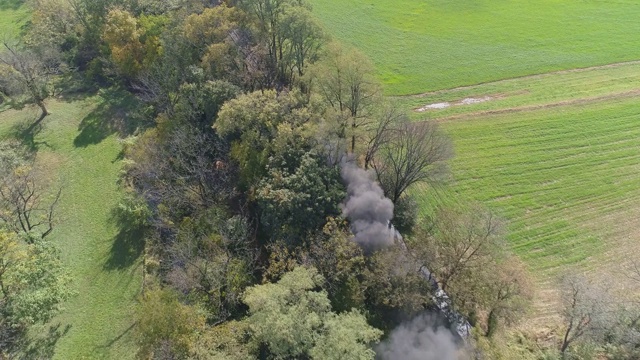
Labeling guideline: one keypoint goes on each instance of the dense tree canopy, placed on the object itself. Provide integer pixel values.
(234, 188)
(33, 286)
(294, 320)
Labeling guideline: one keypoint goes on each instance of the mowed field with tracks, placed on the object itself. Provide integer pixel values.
(424, 45)
(542, 101)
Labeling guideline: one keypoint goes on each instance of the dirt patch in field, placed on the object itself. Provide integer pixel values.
(465, 101)
(440, 105)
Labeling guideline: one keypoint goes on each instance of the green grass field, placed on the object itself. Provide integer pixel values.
(106, 271)
(557, 176)
(426, 45)
(542, 111)
(551, 90)
(77, 145)
(13, 15)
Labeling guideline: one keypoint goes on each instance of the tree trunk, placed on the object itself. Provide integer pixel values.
(565, 341)
(492, 323)
(43, 108)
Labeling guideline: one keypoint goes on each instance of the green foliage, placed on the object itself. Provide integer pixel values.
(134, 211)
(394, 287)
(290, 34)
(294, 319)
(227, 341)
(152, 25)
(344, 80)
(347, 336)
(14, 19)
(13, 155)
(132, 47)
(297, 195)
(405, 214)
(342, 263)
(213, 261)
(198, 103)
(52, 23)
(165, 325)
(261, 124)
(208, 36)
(33, 286)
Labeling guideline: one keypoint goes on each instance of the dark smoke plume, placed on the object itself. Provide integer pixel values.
(368, 210)
(420, 339)
(370, 214)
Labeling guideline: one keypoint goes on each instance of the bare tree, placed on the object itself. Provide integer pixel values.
(380, 132)
(29, 74)
(345, 81)
(24, 206)
(507, 290)
(416, 152)
(586, 310)
(458, 242)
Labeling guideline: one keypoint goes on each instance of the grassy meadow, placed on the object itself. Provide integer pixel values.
(540, 99)
(13, 16)
(425, 45)
(76, 147)
(557, 175)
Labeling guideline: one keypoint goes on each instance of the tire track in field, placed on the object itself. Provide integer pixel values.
(579, 101)
(524, 77)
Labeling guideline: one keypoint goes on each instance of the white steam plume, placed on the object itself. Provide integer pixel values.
(420, 339)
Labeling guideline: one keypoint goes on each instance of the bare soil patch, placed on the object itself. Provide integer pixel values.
(465, 101)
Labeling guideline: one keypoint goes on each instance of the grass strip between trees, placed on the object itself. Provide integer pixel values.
(102, 259)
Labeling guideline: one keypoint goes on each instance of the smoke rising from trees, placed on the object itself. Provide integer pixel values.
(370, 214)
(419, 339)
(366, 207)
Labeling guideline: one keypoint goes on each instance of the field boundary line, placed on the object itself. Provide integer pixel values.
(523, 77)
(579, 101)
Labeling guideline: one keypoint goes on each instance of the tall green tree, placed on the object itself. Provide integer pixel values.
(33, 286)
(290, 34)
(262, 124)
(345, 80)
(209, 35)
(297, 195)
(293, 318)
(165, 326)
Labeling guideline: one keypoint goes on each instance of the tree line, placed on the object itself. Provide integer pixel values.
(234, 181)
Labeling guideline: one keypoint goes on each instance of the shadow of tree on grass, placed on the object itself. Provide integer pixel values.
(26, 132)
(72, 86)
(128, 244)
(10, 4)
(118, 113)
(43, 346)
(111, 342)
